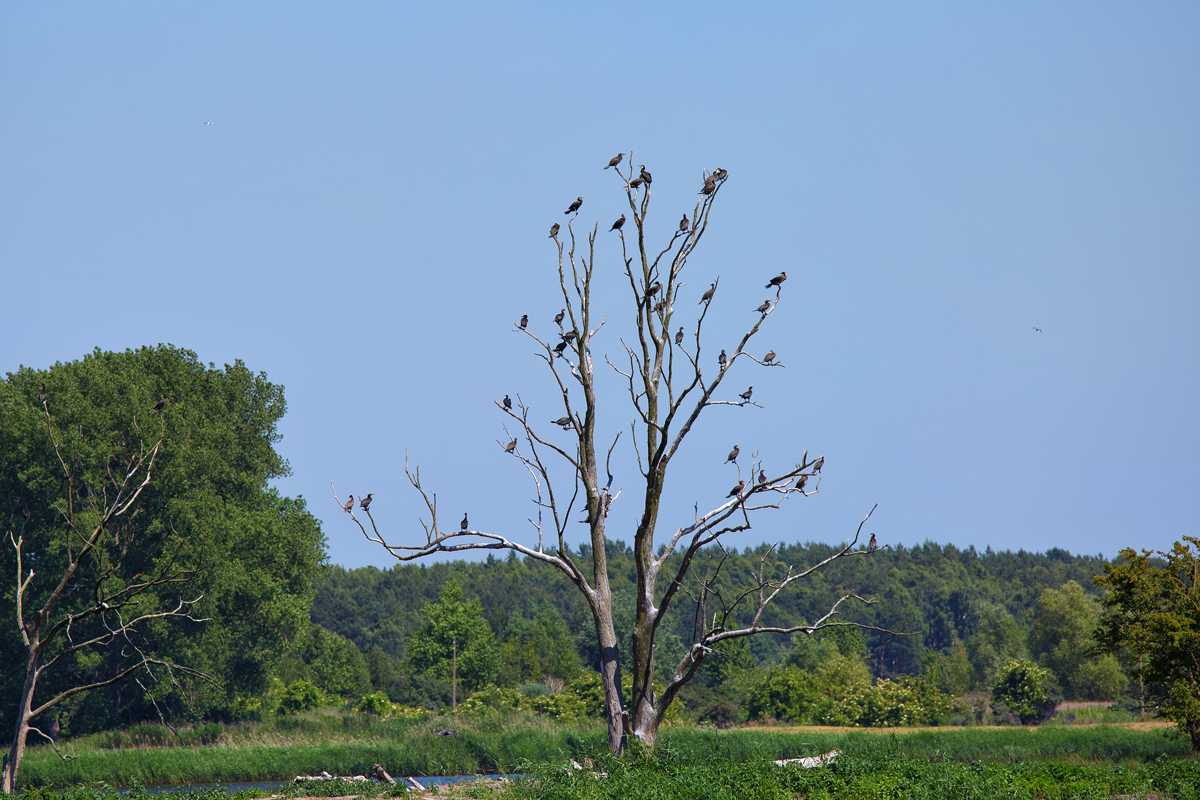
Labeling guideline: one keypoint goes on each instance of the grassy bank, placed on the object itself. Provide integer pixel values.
(350, 744)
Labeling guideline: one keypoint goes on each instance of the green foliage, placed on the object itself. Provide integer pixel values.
(300, 696)
(1063, 631)
(453, 623)
(258, 553)
(997, 640)
(1025, 689)
(1152, 615)
(537, 648)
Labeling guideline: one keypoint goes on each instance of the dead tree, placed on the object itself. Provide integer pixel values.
(90, 605)
(665, 405)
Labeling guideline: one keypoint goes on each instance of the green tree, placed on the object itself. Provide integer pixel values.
(1152, 617)
(997, 639)
(538, 648)
(452, 623)
(1027, 690)
(256, 554)
(1063, 633)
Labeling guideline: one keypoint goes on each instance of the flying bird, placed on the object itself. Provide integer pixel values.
(645, 175)
(819, 463)
(679, 335)
(508, 448)
(1039, 330)
(462, 526)
(574, 206)
(746, 394)
(524, 321)
(683, 223)
(553, 230)
(735, 491)
(616, 226)
(451, 734)
(708, 294)
(558, 318)
(349, 504)
(721, 359)
(733, 454)
(42, 394)
(769, 357)
(872, 545)
(507, 402)
(764, 308)
(615, 160)
(777, 280)
(365, 502)
(210, 123)
(161, 404)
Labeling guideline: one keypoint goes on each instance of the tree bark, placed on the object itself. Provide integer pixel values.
(12, 763)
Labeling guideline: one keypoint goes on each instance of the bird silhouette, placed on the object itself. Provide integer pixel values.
(733, 454)
(635, 183)
(769, 357)
(574, 206)
(746, 394)
(679, 335)
(616, 226)
(365, 502)
(524, 321)
(777, 280)
(507, 402)
(558, 318)
(562, 421)
(708, 294)
(42, 395)
(800, 483)
(735, 491)
(872, 545)
(764, 308)
(1039, 330)
(508, 448)
(710, 186)
(819, 463)
(569, 336)
(615, 160)
(720, 174)
(653, 290)
(762, 477)
(161, 404)
(553, 230)
(644, 174)
(721, 359)
(558, 348)
(683, 223)
(349, 504)
(462, 526)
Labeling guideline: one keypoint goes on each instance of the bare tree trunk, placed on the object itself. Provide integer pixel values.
(8, 782)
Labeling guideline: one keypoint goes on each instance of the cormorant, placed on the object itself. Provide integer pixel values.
(721, 359)
(574, 206)
(733, 454)
(161, 404)
(777, 280)
(524, 321)
(800, 483)
(764, 308)
(507, 402)
(462, 526)
(708, 295)
(635, 183)
(616, 226)
(558, 348)
(645, 175)
(42, 394)
(683, 223)
(615, 160)
(569, 336)
(349, 504)
(769, 357)
(508, 448)
(762, 477)
(558, 318)
(679, 335)
(553, 230)
(872, 545)
(746, 394)
(735, 491)
(820, 463)
(365, 502)
(562, 422)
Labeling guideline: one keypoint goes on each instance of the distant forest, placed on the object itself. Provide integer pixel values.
(968, 610)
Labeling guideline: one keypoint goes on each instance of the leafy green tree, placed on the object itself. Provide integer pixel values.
(452, 623)
(1063, 633)
(538, 648)
(1025, 689)
(256, 555)
(997, 639)
(1152, 617)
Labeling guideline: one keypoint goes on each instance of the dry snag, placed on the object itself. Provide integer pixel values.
(668, 389)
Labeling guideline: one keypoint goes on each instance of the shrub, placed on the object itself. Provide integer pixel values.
(300, 696)
(1025, 689)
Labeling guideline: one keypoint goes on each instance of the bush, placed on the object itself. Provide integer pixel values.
(1026, 690)
(300, 696)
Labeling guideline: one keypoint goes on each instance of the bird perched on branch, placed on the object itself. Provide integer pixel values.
(508, 448)
(679, 335)
(769, 357)
(644, 174)
(708, 293)
(764, 308)
(558, 318)
(569, 336)
(563, 422)
(553, 230)
(721, 358)
(777, 280)
(735, 491)
(524, 321)
(733, 454)
(660, 305)
(819, 463)
(720, 174)
(635, 183)
(161, 404)
(872, 544)
(349, 504)
(507, 402)
(365, 502)
(762, 477)
(558, 348)
(746, 394)
(653, 290)
(616, 226)
(683, 224)
(462, 526)
(42, 395)
(615, 160)
(800, 483)
(574, 206)
(710, 186)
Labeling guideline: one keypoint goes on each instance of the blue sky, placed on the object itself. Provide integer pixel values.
(368, 216)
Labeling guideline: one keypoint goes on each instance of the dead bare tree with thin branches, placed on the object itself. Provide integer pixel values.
(666, 404)
(96, 541)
